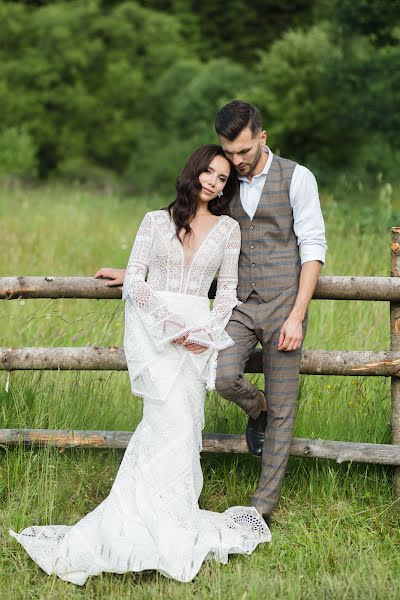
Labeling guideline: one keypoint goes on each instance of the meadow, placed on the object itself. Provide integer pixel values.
(336, 531)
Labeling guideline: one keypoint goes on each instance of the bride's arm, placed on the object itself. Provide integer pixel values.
(159, 320)
(114, 277)
(213, 334)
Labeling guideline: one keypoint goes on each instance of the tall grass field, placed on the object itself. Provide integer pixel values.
(336, 530)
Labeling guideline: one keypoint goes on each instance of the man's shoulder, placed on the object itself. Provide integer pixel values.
(300, 171)
(283, 167)
(285, 163)
(303, 173)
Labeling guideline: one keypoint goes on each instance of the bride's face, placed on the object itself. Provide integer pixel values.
(214, 178)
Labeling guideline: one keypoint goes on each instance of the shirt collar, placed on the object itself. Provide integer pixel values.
(265, 169)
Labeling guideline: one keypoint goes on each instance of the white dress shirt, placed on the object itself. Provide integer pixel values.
(308, 222)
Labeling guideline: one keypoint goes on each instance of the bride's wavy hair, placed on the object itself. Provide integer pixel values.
(188, 187)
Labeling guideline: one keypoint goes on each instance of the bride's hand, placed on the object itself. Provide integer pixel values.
(115, 276)
(180, 340)
(195, 348)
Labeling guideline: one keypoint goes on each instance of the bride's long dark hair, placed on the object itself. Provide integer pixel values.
(188, 187)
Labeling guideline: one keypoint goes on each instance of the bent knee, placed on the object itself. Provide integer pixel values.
(228, 386)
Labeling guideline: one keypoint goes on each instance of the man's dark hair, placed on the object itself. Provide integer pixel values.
(234, 117)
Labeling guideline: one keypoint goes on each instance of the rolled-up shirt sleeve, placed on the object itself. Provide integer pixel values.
(308, 222)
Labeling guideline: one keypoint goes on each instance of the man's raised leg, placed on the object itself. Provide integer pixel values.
(231, 383)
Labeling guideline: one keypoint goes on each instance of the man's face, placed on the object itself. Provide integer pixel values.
(245, 150)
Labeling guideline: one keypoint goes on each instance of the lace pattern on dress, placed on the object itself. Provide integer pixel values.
(157, 263)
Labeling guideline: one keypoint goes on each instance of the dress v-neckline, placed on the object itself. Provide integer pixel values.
(189, 263)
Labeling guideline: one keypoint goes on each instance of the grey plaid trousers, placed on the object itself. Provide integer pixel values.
(252, 322)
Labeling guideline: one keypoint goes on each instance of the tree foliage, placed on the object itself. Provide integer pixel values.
(373, 18)
(132, 87)
(235, 29)
(78, 79)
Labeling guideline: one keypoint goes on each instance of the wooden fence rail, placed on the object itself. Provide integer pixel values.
(314, 362)
(383, 454)
(328, 288)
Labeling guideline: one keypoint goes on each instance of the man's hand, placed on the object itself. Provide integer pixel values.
(115, 276)
(291, 334)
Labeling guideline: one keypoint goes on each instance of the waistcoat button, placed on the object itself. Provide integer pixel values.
(253, 264)
(252, 246)
(253, 284)
(252, 227)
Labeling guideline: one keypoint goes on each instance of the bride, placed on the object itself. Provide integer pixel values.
(151, 518)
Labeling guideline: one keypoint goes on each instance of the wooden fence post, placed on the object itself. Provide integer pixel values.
(395, 345)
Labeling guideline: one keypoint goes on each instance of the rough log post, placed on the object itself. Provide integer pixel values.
(395, 346)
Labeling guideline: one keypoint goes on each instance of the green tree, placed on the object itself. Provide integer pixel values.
(376, 19)
(235, 29)
(17, 153)
(77, 78)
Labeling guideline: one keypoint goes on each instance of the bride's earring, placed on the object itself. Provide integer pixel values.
(220, 194)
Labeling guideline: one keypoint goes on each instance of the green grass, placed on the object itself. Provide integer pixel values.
(336, 529)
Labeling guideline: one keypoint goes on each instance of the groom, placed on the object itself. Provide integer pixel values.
(283, 248)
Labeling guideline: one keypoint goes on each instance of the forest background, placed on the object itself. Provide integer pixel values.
(120, 92)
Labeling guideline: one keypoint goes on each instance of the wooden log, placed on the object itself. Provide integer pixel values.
(328, 288)
(91, 358)
(48, 286)
(357, 288)
(313, 362)
(384, 454)
(395, 347)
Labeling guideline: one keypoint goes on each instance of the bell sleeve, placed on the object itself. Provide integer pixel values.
(159, 321)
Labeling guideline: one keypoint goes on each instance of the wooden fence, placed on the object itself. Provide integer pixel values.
(320, 362)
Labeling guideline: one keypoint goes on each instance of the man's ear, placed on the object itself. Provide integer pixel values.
(263, 137)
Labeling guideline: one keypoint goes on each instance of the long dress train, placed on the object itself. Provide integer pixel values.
(151, 518)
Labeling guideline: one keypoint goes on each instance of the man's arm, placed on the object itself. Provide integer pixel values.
(291, 335)
(309, 228)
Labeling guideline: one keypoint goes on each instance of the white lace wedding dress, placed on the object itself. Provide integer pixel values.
(151, 518)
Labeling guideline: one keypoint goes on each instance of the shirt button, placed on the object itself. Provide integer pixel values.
(252, 246)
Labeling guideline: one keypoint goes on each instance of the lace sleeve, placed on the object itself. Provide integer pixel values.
(213, 334)
(158, 319)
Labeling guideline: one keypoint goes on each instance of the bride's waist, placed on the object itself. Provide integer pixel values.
(194, 310)
(184, 297)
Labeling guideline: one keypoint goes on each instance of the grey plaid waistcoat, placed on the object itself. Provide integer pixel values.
(269, 260)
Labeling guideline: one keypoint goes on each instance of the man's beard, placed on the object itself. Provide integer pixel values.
(250, 168)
